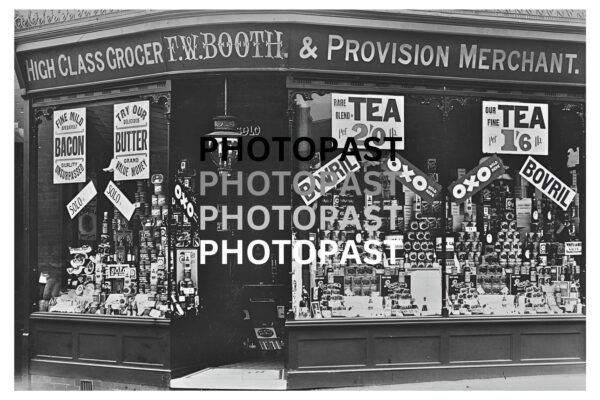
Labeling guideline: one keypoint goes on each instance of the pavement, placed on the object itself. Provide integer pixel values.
(538, 382)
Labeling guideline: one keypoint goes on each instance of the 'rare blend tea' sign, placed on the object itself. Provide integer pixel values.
(131, 159)
(69, 146)
(362, 116)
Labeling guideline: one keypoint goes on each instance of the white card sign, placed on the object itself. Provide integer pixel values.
(362, 116)
(119, 200)
(69, 146)
(131, 155)
(547, 183)
(515, 128)
(573, 248)
(80, 201)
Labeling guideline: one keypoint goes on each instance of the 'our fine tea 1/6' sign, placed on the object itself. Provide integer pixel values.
(132, 141)
(515, 128)
(119, 200)
(69, 146)
(547, 183)
(80, 201)
(361, 117)
(476, 179)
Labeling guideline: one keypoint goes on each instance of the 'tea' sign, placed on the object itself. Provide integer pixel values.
(514, 128)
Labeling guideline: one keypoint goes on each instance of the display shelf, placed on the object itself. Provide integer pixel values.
(432, 319)
(104, 319)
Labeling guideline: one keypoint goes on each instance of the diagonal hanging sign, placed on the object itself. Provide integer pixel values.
(80, 201)
(476, 179)
(119, 200)
(413, 178)
(536, 174)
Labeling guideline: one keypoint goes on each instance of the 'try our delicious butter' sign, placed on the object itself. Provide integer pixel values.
(515, 128)
(476, 179)
(547, 183)
(132, 141)
(69, 146)
(363, 116)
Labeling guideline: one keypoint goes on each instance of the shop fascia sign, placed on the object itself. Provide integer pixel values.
(302, 47)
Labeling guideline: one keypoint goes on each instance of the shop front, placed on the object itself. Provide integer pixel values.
(339, 198)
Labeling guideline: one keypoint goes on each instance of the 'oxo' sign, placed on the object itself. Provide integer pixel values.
(187, 202)
(413, 178)
(476, 179)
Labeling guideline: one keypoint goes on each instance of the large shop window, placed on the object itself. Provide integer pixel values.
(102, 232)
(510, 248)
(370, 212)
(515, 250)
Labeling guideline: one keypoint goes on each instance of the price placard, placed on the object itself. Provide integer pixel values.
(515, 128)
(80, 201)
(119, 200)
(361, 116)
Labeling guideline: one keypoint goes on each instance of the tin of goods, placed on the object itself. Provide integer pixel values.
(421, 256)
(506, 246)
(161, 200)
(423, 225)
(418, 215)
(412, 256)
(427, 236)
(516, 236)
(429, 256)
(164, 211)
(516, 246)
(420, 236)
(414, 225)
(157, 189)
(509, 235)
(416, 246)
(428, 265)
(421, 265)
(154, 200)
(411, 236)
(461, 236)
(156, 211)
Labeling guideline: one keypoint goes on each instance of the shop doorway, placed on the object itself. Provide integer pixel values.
(243, 303)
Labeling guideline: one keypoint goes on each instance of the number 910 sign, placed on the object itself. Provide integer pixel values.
(514, 128)
(362, 116)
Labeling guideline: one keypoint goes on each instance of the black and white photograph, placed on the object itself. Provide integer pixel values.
(300, 199)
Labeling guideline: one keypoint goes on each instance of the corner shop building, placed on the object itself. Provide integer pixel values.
(282, 69)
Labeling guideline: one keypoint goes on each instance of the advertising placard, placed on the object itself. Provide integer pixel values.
(119, 200)
(476, 179)
(573, 248)
(81, 200)
(547, 183)
(514, 128)
(131, 155)
(363, 116)
(327, 177)
(69, 146)
(523, 209)
(413, 178)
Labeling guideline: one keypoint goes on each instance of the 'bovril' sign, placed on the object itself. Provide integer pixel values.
(547, 183)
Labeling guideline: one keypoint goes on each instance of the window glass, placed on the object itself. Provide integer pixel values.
(369, 213)
(513, 246)
(98, 262)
